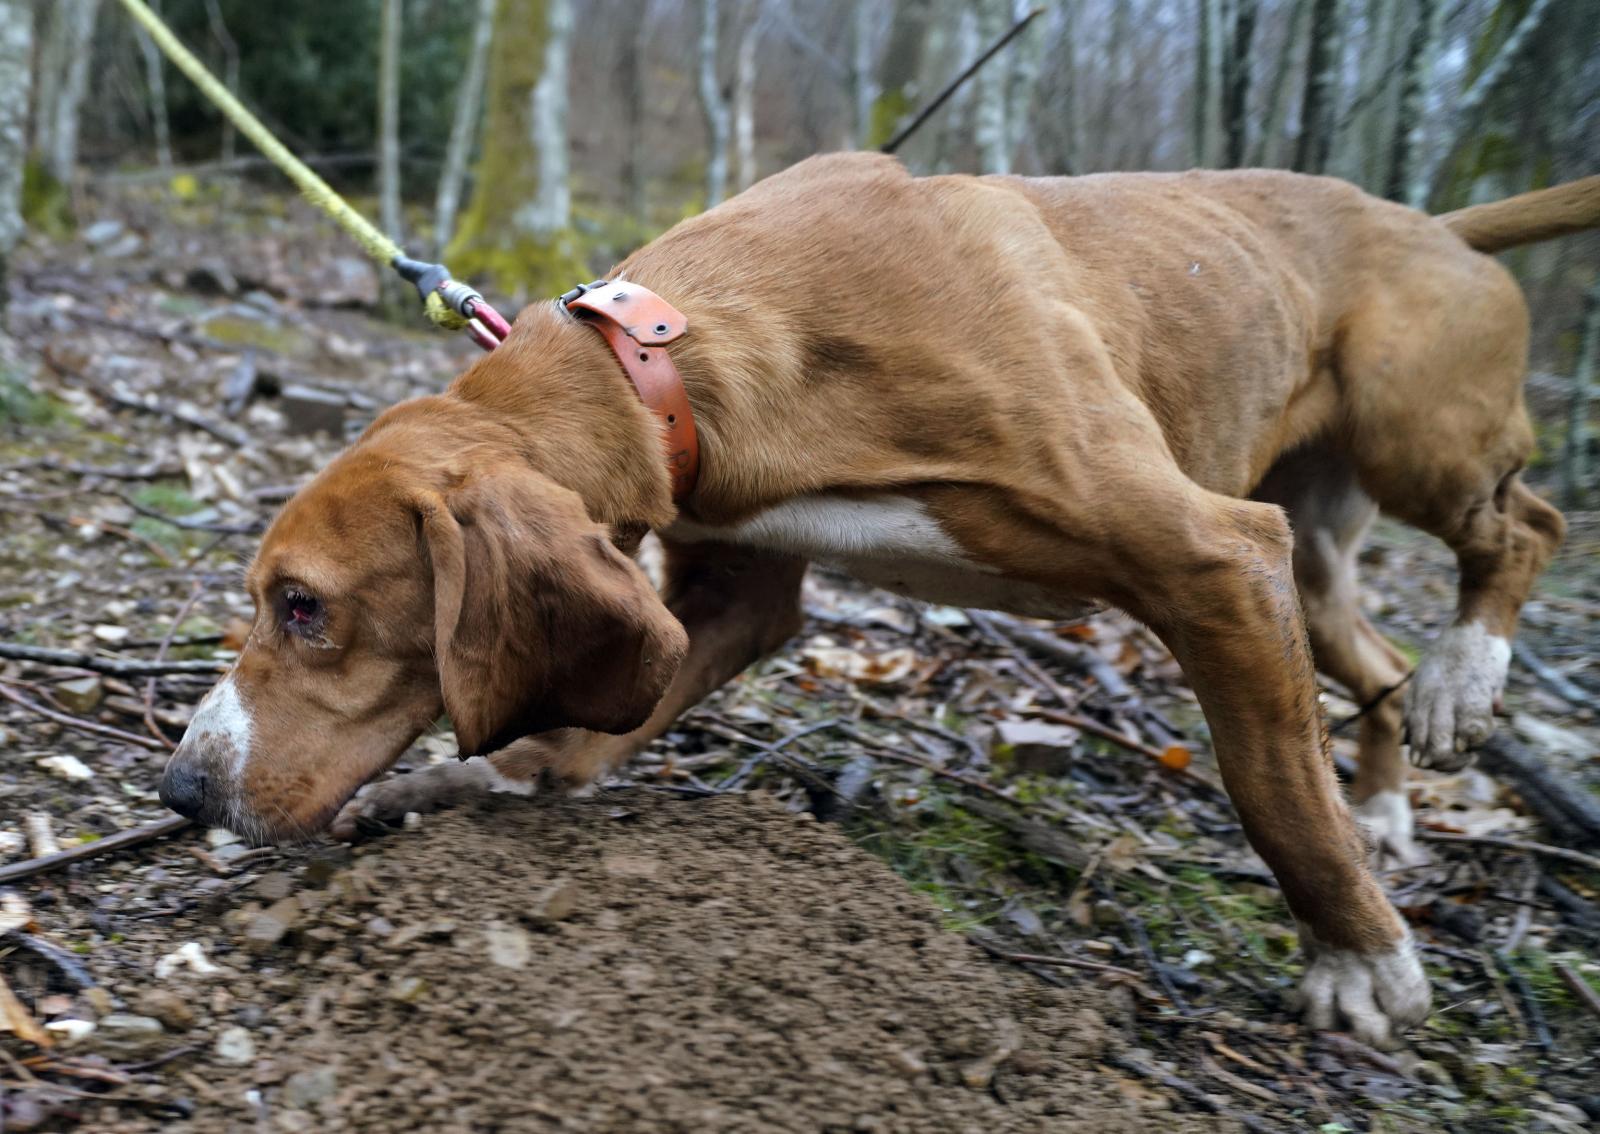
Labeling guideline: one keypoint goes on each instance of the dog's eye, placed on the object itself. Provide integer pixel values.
(301, 612)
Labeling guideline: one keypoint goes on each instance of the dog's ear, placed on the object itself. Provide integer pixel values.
(539, 622)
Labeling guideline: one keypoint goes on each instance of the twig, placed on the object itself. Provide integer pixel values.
(115, 667)
(766, 750)
(1576, 857)
(161, 653)
(1064, 962)
(1104, 732)
(954, 84)
(92, 727)
(153, 471)
(184, 523)
(888, 753)
(1558, 682)
(1541, 1027)
(133, 837)
(1189, 1091)
(1581, 988)
(69, 965)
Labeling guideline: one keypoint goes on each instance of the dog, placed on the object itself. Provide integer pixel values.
(1183, 395)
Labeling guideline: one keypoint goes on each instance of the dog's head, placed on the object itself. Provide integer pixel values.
(424, 569)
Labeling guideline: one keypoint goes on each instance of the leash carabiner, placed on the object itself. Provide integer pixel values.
(441, 294)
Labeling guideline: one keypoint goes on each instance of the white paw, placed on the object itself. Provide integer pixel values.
(1450, 699)
(1386, 818)
(1375, 995)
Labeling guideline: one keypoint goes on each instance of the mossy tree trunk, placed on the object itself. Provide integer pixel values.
(16, 57)
(899, 70)
(714, 106)
(516, 232)
(63, 79)
(463, 128)
(1321, 91)
(1236, 82)
(989, 111)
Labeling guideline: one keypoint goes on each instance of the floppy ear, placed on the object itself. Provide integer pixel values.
(539, 622)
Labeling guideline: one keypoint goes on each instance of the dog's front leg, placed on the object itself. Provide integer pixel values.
(738, 606)
(1224, 600)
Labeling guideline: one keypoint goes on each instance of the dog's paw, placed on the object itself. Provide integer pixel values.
(1386, 819)
(1450, 700)
(1376, 996)
(386, 803)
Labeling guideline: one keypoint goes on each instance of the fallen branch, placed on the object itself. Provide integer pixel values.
(1000, 954)
(94, 728)
(1175, 758)
(1189, 1091)
(1581, 988)
(1578, 858)
(122, 840)
(161, 654)
(1559, 683)
(115, 667)
(1571, 813)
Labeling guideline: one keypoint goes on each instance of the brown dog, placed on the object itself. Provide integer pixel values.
(999, 392)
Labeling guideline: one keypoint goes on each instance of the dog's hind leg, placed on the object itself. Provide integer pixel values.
(737, 605)
(1330, 516)
(1438, 433)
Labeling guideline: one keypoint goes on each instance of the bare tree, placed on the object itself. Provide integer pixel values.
(1236, 81)
(463, 128)
(1272, 114)
(155, 79)
(989, 111)
(900, 69)
(635, 50)
(1322, 77)
(744, 95)
(63, 79)
(1207, 79)
(516, 225)
(1575, 463)
(389, 120)
(1421, 47)
(1024, 77)
(16, 59)
(230, 70)
(863, 77)
(1468, 109)
(713, 106)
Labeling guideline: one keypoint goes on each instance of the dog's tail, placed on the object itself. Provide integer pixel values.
(1531, 217)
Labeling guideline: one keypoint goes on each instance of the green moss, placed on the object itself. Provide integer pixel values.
(21, 404)
(239, 331)
(522, 266)
(167, 497)
(46, 202)
(887, 111)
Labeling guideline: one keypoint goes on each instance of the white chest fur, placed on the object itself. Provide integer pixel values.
(890, 542)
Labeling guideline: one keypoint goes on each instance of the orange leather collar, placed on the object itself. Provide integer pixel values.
(638, 324)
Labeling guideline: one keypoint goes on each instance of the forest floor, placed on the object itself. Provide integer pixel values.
(1073, 936)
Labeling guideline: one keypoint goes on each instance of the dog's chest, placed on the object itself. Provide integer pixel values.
(890, 542)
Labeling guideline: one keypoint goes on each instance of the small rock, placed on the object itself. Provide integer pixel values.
(100, 1000)
(1036, 747)
(218, 837)
(69, 1031)
(171, 1009)
(11, 842)
(907, 1062)
(1028, 923)
(67, 767)
(509, 945)
(109, 633)
(380, 926)
(226, 854)
(307, 1088)
(269, 927)
(129, 1034)
(555, 903)
(235, 1046)
(408, 990)
(310, 410)
(102, 232)
(212, 277)
(325, 864)
(188, 955)
(80, 695)
(273, 887)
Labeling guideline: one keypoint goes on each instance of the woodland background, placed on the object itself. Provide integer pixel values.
(535, 141)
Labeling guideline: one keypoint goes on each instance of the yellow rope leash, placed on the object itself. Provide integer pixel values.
(316, 190)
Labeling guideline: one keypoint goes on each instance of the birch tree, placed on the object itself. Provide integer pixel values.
(989, 110)
(230, 70)
(863, 77)
(1207, 81)
(16, 58)
(900, 69)
(713, 106)
(1272, 113)
(463, 128)
(1236, 81)
(635, 50)
(155, 80)
(389, 120)
(1322, 76)
(1421, 47)
(515, 229)
(63, 79)
(744, 98)
(1025, 51)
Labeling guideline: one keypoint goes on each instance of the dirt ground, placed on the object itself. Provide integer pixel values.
(624, 963)
(820, 955)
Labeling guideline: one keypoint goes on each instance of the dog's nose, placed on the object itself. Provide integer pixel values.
(183, 788)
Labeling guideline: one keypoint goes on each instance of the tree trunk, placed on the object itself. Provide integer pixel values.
(744, 100)
(1322, 76)
(900, 69)
(64, 77)
(1377, 80)
(515, 229)
(230, 70)
(1026, 51)
(389, 121)
(463, 128)
(155, 79)
(1236, 81)
(1267, 147)
(989, 117)
(1575, 462)
(16, 59)
(1206, 79)
(1469, 108)
(863, 85)
(1410, 120)
(714, 107)
(636, 49)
